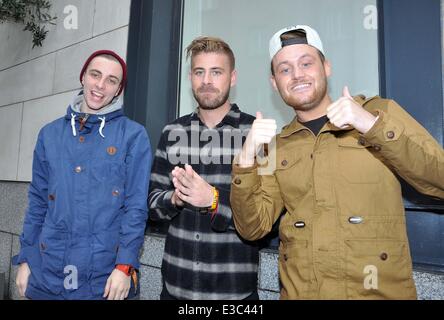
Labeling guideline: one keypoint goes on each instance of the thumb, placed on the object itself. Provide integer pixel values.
(346, 93)
(107, 287)
(259, 115)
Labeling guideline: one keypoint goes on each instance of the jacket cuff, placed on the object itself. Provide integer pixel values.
(128, 257)
(386, 129)
(171, 209)
(26, 254)
(244, 177)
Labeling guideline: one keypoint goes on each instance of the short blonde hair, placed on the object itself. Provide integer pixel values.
(210, 44)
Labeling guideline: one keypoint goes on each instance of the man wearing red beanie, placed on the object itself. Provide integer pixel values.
(87, 210)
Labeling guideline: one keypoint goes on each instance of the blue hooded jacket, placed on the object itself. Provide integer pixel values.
(87, 203)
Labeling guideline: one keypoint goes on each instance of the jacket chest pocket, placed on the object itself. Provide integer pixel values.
(356, 164)
(103, 170)
(108, 177)
(292, 174)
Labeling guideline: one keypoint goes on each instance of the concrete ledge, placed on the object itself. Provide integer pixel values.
(13, 203)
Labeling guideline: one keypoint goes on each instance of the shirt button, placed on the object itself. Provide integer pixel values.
(361, 141)
(81, 139)
(197, 236)
(284, 162)
(51, 197)
(377, 147)
(78, 169)
(116, 193)
(390, 134)
(383, 256)
(311, 156)
(237, 181)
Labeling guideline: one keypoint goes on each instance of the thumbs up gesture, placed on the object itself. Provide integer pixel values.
(261, 132)
(345, 113)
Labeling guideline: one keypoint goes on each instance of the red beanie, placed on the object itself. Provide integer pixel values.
(111, 53)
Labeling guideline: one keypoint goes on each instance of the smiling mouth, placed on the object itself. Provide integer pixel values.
(300, 87)
(97, 95)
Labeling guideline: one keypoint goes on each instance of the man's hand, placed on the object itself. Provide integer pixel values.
(175, 200)
(191, 188)
(117, 286)
(22, 278)
(346, 112)
(261, 132)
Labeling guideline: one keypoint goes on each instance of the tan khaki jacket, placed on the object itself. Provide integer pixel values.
(343, 230)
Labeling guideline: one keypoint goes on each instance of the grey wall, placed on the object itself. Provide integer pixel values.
(13, 203)
(36, 85)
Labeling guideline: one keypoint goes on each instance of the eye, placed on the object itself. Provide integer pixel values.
(216, 73)
(93, 74)
(198, 72)
(284, 71)
(112, 81)
(306, 64)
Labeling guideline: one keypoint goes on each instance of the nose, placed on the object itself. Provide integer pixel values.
(100, 83)
(207, 78)
(297, 73)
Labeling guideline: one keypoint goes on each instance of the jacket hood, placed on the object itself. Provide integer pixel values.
(111, 111)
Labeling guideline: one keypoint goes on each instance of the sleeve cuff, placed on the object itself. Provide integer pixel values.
(386, 129)
(128, 257)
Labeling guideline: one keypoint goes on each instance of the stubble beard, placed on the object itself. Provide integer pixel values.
(207, 103)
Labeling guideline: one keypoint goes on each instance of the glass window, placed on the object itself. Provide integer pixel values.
(348, 29)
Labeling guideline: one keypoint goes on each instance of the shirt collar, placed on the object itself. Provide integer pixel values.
(295, 126)
(231, 118)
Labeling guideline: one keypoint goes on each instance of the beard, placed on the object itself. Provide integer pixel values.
(307, 102)
(208, 102)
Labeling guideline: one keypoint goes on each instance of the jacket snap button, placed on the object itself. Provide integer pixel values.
(237, 181)
(361, 141)
(383, 256)
(390, 134)
(284, 162)
(78, 169)
(377, 147)
(355, 220)
(285, 257)
(299, 224)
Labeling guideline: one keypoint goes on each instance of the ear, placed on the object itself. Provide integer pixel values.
(273, 83)
(117, 91)
(327, 68)
(233, 78)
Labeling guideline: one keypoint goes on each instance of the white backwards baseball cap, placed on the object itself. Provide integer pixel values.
(312, 39)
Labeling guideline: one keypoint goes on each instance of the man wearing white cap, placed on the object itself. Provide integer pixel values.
(342, 231)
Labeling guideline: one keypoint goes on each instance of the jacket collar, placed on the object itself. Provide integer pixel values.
(295, 126)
